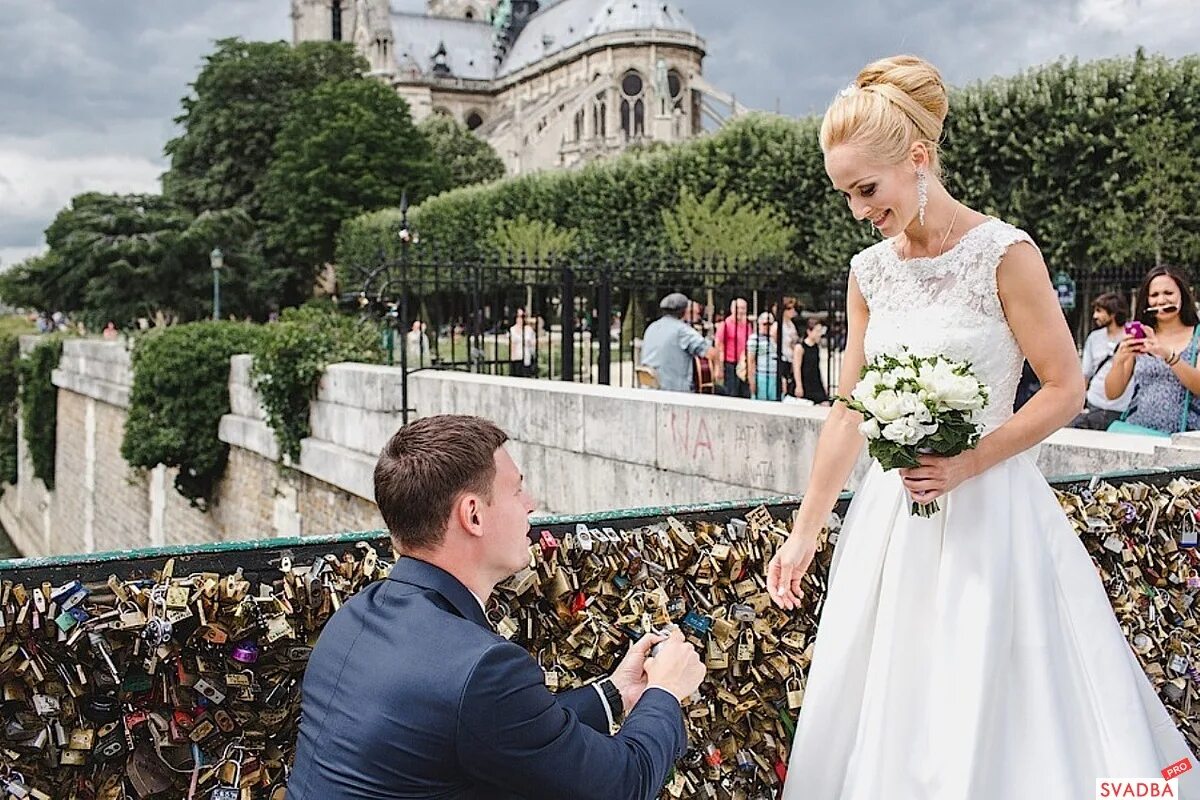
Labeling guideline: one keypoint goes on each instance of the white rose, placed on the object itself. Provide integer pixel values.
(866, 387)
(870, 429)
(889, 379)
(886, 406)
(962, 394)
(907, 431)
(949, 390)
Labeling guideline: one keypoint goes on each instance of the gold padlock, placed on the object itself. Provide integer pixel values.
(745, 647)
(714, 656)
(795, 693)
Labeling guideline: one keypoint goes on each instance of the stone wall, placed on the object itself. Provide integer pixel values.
(583, 448)
(625, 448)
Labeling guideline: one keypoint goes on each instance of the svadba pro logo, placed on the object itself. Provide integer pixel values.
(1167, 786)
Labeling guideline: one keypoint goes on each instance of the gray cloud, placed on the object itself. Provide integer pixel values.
(90, 88)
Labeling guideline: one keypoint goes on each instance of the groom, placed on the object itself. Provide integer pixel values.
(410, 693)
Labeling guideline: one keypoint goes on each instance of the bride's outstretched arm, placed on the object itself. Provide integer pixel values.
(837, 451)
(1037, 321)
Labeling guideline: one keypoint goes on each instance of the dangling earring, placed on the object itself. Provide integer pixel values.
(922, 194)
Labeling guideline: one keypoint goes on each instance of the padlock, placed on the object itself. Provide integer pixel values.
(745, 646)
(714, 657)
(230, 790)
(795, 693)
(743, 612)
(112, 743)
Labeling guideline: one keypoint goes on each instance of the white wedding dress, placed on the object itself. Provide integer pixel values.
(973, 655)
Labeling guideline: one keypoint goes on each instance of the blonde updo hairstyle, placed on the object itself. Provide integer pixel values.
(893, 103)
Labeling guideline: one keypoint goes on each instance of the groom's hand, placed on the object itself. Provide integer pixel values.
(630, 675)
(937, 475)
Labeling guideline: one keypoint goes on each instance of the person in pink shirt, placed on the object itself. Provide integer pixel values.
(731, 337)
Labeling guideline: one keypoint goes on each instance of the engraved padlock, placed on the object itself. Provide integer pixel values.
(231, 790)
(745, 646)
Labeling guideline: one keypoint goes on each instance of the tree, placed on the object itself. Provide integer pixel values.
(462, 157)
(533, 241)
(726, 229)
(119, 257)
(361, 152)
(528, 244)
(240, 99)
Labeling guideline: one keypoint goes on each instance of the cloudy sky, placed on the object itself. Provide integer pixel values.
(88, 88)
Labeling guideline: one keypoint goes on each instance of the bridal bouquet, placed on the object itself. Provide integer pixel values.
(916, 405)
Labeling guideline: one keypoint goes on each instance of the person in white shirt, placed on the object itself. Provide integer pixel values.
(418, 345)
(1109, 312)
(522, 347)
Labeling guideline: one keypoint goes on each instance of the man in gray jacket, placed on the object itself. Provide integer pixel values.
(670, 345)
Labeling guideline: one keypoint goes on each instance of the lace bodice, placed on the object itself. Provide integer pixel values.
(946, 305)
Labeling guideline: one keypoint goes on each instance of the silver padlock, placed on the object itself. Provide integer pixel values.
(660, 632)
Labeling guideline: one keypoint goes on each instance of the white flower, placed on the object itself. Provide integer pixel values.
(885, 406)
(866, 387)
(913, 406)
(870, 429)
(907, 431)
(948, 389)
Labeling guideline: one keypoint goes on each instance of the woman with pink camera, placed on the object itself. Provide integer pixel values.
(1158, 354)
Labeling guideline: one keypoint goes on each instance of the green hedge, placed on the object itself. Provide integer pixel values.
(180, 392)
(10, 383)
(291, 355)
(1096, 160)
(39, 405)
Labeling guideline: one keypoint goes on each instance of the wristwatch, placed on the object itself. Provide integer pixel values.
(613, 695)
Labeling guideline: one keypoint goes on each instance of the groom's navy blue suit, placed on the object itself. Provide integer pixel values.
(409, 693)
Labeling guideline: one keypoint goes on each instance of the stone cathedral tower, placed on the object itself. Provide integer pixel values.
(548, 83)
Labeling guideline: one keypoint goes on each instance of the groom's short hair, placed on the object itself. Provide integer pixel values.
(423, 470)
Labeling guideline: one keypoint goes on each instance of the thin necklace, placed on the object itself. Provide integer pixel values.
(942, 247)
(953, 220)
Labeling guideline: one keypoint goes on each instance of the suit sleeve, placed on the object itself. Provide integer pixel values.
(512, 732)
(585, 701)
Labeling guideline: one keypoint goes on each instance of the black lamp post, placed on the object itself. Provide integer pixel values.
(216, 260)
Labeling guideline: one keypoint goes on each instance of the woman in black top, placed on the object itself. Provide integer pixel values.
(806, 364)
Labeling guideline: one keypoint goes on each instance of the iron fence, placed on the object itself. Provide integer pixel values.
(581, 321)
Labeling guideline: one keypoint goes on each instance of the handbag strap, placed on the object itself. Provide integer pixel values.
(1187, 393)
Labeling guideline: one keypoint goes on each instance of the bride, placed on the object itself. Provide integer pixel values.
(973, 654)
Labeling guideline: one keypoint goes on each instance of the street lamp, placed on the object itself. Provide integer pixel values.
(216, 260)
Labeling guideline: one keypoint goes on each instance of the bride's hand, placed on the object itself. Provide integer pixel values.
(787, 569)
(937, 475)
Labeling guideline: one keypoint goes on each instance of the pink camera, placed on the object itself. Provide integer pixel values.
(1135, 329)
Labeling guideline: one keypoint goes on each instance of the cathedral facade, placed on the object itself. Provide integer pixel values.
(547, 84)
